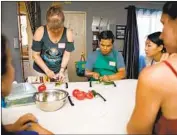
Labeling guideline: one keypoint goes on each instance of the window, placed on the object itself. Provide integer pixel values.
(148, 21)
(23, 22)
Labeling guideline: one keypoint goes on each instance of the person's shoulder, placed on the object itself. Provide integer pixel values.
(173, 60)
(116, 51)
(149, 81)
(96, 52)
(161, 69)
(39, 33)
(152, 73)
(40, 29)
(68, 29)
(156, 75)
(93, 55)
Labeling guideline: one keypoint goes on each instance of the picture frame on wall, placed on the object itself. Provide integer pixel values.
(120, 32)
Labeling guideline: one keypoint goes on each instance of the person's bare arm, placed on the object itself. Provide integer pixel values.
(147, 105)
(9, 127)
(36, 55)
(89, 74)
(119, 75)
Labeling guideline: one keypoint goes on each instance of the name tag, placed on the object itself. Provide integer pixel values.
(112, 63)
(61, 45)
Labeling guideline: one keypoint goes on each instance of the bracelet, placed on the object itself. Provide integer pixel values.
(62, 68)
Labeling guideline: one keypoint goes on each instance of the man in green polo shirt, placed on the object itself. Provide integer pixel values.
(105, 64)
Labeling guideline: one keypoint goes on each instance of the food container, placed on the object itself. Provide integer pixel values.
(51, 100)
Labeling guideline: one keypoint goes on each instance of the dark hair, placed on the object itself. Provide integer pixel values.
(3, 55)
(170, 8)
(155, 38)
(3, 71)
(106, 35)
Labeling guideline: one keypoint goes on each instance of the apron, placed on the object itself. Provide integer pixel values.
(105, 65)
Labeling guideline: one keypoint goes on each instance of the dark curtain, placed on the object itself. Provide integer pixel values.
(34, 14)
(131, 45)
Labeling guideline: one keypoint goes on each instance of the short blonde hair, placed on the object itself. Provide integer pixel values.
(55, 10)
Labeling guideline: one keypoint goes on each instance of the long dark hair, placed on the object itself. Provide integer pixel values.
(3, 71)
(170, 8)
(155, 38)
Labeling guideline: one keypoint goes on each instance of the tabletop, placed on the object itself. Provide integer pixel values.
(90, 116)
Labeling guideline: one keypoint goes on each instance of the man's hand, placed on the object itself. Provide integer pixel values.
(96, 75)
(105, 78)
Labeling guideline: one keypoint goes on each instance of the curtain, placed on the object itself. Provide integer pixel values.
(148, 21)
(34, 13)
(131, 45)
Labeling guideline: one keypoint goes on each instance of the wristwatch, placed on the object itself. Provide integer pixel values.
(62, 68)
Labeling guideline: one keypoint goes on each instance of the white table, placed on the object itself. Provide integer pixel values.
(88, 116)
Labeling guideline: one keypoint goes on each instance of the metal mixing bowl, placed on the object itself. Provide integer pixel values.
(51, 100)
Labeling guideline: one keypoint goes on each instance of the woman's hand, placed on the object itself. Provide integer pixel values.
(22, 122)
(60, 76)
(39, 129)
(50, 73)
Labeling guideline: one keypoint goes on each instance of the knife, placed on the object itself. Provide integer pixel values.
(66, 85)
(70, 101)
(98, 94)
(90, 83)
(114, 83)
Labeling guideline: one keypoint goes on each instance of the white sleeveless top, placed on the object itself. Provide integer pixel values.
(150, 61)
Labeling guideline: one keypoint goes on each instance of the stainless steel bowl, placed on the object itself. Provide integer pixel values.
(51, 100)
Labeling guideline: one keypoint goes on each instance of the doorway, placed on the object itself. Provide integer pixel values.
(76, 21)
